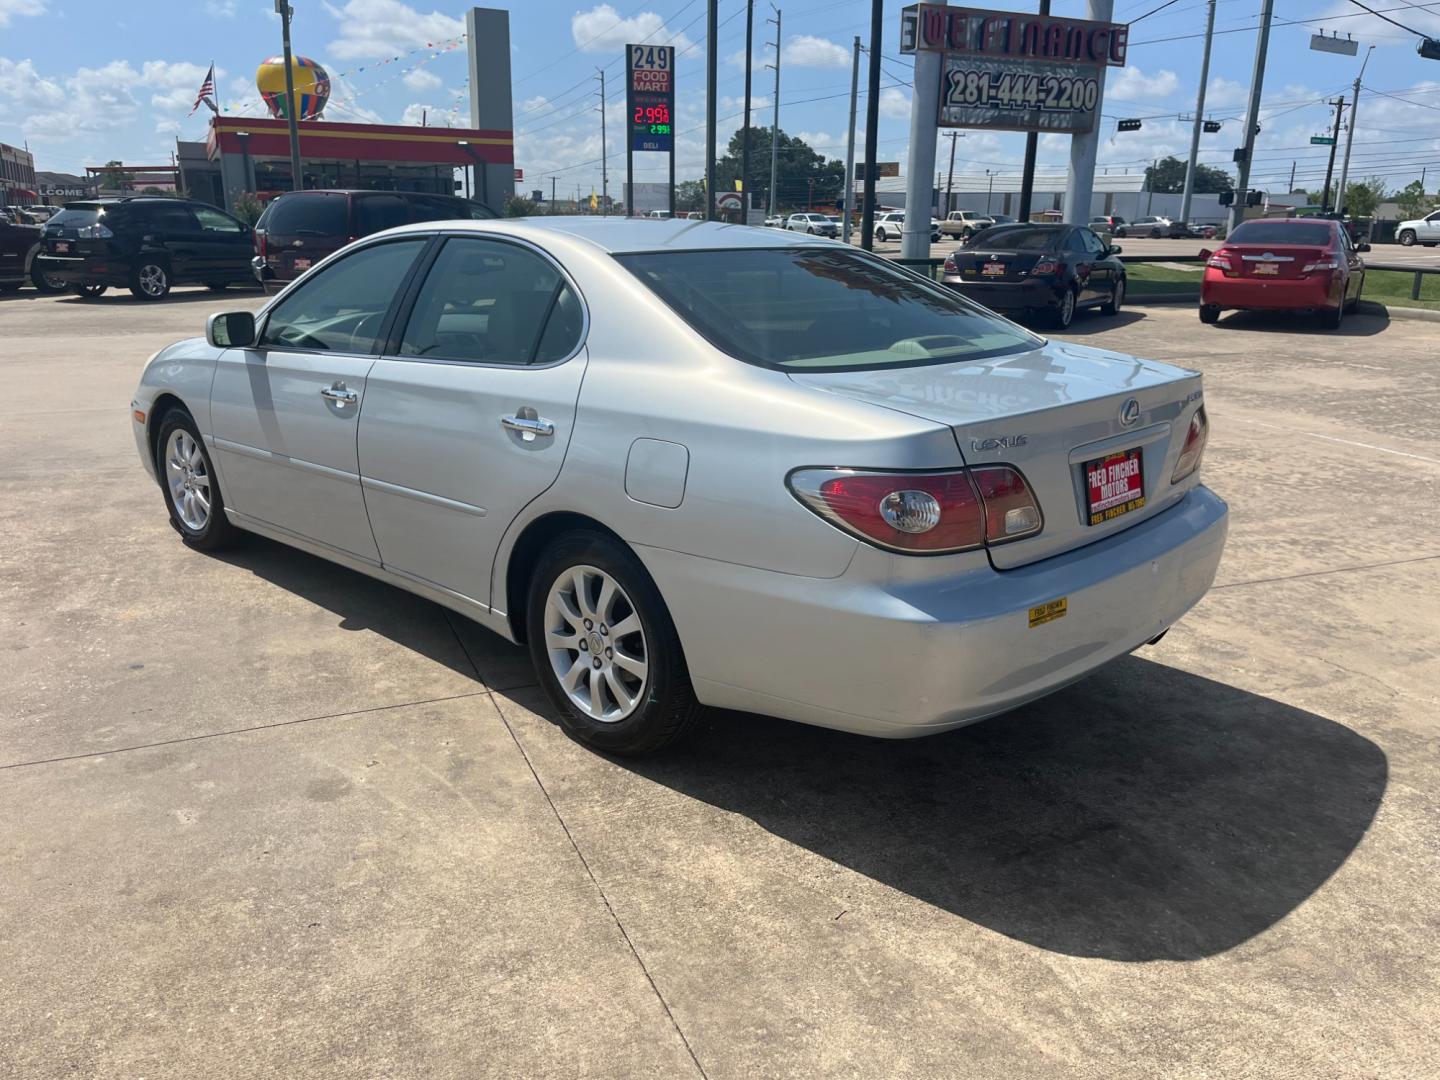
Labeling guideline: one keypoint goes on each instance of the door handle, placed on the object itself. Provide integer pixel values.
(339, 394)
(529, 427)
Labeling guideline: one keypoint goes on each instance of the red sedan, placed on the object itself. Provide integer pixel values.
(1285, 264)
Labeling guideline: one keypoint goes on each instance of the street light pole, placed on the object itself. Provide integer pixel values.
(712, 79)
(745, 128)
(1252, 116)
(297, 178)
(872, 125)
(1339, 104)
(775, 122)
(954, 137)
(850, 144)
(1350, 135)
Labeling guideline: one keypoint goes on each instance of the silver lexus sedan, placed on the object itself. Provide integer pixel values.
(693, 464)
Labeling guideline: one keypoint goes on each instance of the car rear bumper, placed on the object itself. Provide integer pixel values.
(899, 659)
(1278, 294)
(262, 270)
(84, 269)
(1029, 294)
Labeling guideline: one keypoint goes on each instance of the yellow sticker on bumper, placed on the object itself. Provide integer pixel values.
(1048, 612)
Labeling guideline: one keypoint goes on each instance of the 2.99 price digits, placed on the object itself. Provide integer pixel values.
(1045, 93)
(652, 114)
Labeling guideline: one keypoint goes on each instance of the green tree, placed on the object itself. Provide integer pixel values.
(802, 176)
(689, 195)
(1362, 197)
(121, 180)
(247, 208)
(1168, 176)
(1413, 201)
(519, 206)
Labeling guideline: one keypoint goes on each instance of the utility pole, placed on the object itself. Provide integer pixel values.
(1150, 185)
(1084, 149)
(1252, 116)
(954, 137)
(604, 154)
(1199, 116)
(1032, 140)
(1339, 104)
(850, 145)
(1350, 135)
(745, 128)
(872, 125)
(712, 61)
(1292, 176)
(552, 180)
(297, 177)
(775, 122)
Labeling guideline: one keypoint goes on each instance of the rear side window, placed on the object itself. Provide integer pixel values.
(165, 217)
(309, 215)
(75, 217)
(492, 303)
(341, 308)
(212, 220)
(376, 212)
(1309, 234)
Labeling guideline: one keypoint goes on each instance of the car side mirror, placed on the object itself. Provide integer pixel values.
(1205, 253)
(1362, 247)
(1114, 249)
(230, 329)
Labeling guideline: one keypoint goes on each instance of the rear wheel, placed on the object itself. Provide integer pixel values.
(44, 282)
(216, 286)
(192, 492)
(1331, 318)
(150, 280)
(1154, 234)
(88, 292)
(605, 650)
(1064, 313)
(1116, 299)
(1407, 237)
(1209, 313)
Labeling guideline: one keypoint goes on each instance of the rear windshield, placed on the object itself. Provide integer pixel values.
(1017, 238)
(309, 215)
(821, 310)
(75, 217)
(1311, 234)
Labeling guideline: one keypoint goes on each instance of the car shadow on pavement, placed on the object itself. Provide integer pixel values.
(1365, 323)
(1089, 323)
(1143, 814)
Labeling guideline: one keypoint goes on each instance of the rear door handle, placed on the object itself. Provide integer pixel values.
(530, 427)
(338, 393)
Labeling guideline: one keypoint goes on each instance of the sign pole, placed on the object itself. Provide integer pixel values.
(920, 181)
(1085, 148)
(850, 144)
(712, 54)
(872, 125)
(649, 109)
(1032, 142)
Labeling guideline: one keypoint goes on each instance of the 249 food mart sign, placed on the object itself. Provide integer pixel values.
(1013, 71)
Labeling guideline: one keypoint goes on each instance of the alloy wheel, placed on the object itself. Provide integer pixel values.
(1067, 308)
(152, 279)
(188, 478)
(596, 644)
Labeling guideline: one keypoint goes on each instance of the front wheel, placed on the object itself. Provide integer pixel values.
(44, 282)
(1117, 297)
(1407, 238)
(150, 280)
(1064, 314)
(1331, 318)
(1209, 313)
(1154, 234)
(192, 492)
(605, 650)
(88, 292)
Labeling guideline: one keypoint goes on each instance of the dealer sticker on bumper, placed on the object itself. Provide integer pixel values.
(1048, 612)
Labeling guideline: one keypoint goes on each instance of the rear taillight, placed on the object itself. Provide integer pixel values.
(949, 264)
(260, 242)
(1221, 260)
(1321, 264)
(1194, 448)
(1047, 266)
(923, 513)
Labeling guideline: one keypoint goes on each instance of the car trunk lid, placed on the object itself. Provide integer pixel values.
(1063, 415)
(988, 264)
(1285, 261)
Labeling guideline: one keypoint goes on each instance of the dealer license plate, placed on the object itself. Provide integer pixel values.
(302, 264)
(1267, 268)
(62, 245)
(993, 270)
(1116, 485)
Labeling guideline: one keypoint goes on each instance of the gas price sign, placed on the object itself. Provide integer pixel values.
(650, 96)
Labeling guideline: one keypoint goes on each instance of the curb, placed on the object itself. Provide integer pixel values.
(1373, 307)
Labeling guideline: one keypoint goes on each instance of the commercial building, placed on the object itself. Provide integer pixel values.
(17, 177)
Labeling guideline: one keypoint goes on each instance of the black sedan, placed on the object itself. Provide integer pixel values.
(1050, 270)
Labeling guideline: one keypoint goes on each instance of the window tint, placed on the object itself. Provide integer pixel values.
(340, 309)
(486, 302)
(376, 212)
(212, 220)
(169, 217)
(310, 215)
(440, 208)
(562, 329)
(1017, 238)
(1093, 244)
(76, 217)
(812, 308)
(1075, 242)
(1311, 234)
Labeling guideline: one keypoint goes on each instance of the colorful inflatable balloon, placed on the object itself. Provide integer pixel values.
(312, 86)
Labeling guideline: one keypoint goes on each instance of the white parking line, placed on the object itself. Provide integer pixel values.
(1343, 442)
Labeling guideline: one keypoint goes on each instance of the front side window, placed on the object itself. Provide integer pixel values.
(212, 220)
(376, 212)
(817, 309)
(341, 308)
(490, 302)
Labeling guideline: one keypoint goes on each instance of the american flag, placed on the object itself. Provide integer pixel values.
(207, 93)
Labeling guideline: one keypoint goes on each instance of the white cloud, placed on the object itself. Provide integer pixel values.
(370, 29)
(601, 29)
(21, 84)
(894, 103)
(422, 80)
(9, 9)
(806, 50)
(822, 142)
(433, 115)
(1134, 85)
(220, 9)
(1224, 93)
(167, 127)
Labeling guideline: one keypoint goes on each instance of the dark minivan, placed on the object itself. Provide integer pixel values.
(300, 228)
(146, 243)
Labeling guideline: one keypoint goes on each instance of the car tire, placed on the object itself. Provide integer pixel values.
(1407, 237)
(150, 280)
(1154, 234)
(1117, 298)
(1209, 313)
(88, 292)
(653, 708)
(217, 286)
(44, 283)
(186, 474)
(1331, 318)
(1063, 314)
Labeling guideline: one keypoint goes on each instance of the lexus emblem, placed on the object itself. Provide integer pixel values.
(1130, 412)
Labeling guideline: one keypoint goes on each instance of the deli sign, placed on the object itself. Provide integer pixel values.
(1012, 35)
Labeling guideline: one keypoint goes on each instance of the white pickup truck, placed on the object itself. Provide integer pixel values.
(964, 224)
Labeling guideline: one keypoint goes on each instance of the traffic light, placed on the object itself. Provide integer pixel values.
(1211, 126)
(1128, 125)
(1429, 48)
(1254, 198)
(1226, 198)
(1240, 156)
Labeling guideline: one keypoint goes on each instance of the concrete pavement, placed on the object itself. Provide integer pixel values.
(265, 817)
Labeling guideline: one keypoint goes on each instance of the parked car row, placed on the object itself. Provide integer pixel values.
(20, 243)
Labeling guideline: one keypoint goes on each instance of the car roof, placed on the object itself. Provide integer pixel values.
(618, 235)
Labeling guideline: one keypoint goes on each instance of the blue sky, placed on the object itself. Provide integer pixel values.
(85, 81)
